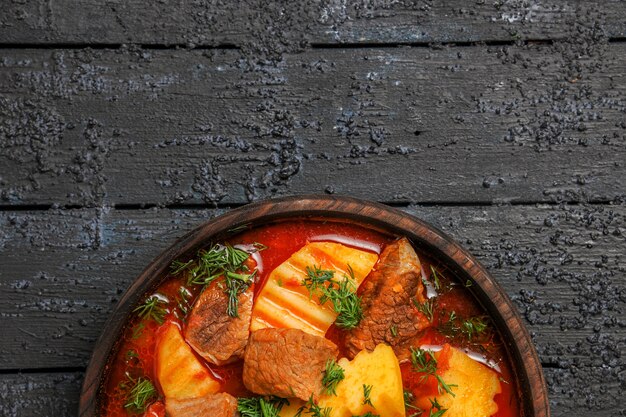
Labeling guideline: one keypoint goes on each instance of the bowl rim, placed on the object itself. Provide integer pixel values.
(531, 385)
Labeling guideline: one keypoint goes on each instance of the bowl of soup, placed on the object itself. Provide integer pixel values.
(318, 306)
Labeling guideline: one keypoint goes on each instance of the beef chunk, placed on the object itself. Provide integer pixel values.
(386, 300)
(211, 332)
(286, 363)
(211, 405)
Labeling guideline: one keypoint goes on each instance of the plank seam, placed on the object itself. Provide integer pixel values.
(199, 206)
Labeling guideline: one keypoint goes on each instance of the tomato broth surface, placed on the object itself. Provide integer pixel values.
(135, 358)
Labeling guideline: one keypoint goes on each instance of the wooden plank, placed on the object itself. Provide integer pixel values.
(275, 26)
(40, 394)
(533, 123)
(62, 271)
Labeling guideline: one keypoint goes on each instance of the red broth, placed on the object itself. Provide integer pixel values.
(135, 356)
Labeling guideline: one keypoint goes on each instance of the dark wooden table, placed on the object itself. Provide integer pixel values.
(124, 124)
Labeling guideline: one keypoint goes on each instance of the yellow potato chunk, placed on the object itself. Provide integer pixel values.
(476, 387)
(179, 372)
(378, 369)
(285, 303)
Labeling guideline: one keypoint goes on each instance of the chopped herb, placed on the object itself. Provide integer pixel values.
(346, 304)
(317, 278)
(260, 407)
(152, 308)
(471, 327)
(317, 411)
(239, 228)
(424, 361)
(259, 246)
(138, 330)
(437, 413)
(442, 386)
(182, 300)
(368, 414)
(468, 283)
(131, 353)
(140, 394)
(426, 308)
(435, 276)
(333, 375)
(341, 294)
(367, 390)
(394, 330)
(220, 261)
(435, 405)
(411, 410)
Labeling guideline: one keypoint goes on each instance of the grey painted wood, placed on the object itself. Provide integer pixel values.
(533, 123)
(40, 394)
(272, 26)
(61, 272)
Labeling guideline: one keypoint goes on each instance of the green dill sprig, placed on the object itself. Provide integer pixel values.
(471, 328)
(345, 302)
(333, 375)
(434, 404)
(316, 411)
(341, 294)
(153, 309)
(220, 261)
(426, 308)
(411, 410)
(368, 414)
(141, 393)
(394, 330)
(317, 278)
(182, 300)
(424, 362)
(260, 407)
(435, 277)
(367, 392)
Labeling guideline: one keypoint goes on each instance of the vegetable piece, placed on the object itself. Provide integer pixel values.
(379, 370)
(372, 384)
(475, 386)
(285, 302)
(179, 372)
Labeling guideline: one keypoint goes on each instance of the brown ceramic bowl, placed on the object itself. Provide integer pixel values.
(524, 360)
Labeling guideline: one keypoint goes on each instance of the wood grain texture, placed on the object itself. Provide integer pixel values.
(530, 123)
(275, 25)
(40, 394)
(562, 265)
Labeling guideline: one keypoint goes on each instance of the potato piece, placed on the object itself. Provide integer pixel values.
(476, 387)
(378, 368)
(179, 372)
(284, 302)
(292, 409)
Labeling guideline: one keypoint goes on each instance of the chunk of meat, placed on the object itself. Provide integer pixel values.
(212, 405)
(211, 332)
(286, 362)
(389, 315)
